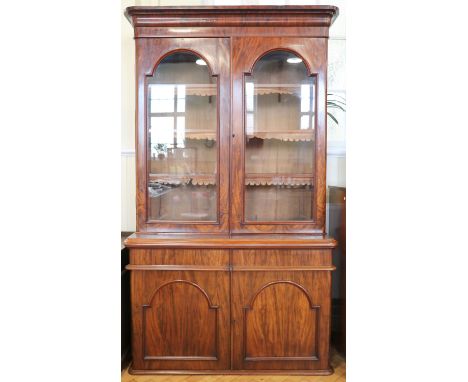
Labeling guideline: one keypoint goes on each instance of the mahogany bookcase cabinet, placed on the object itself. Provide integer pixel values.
(230, 265)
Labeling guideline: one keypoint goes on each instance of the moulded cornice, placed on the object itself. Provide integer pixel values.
(232, 16)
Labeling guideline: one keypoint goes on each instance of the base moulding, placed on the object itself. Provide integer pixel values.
(328, 371)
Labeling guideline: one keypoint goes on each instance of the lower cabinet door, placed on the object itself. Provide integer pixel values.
(180, 320)
(281, 320)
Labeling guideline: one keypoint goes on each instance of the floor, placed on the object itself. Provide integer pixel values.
(337, 361)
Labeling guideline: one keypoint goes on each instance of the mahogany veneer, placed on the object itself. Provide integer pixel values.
(215, 289)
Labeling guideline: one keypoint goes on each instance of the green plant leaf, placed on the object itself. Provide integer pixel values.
(336, 95)
(332, 117)
(334, 106)
(337, 101)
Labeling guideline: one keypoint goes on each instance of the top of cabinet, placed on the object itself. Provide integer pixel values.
(233, 16)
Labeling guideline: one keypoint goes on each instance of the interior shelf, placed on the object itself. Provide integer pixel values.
(205, 90)
(281, 135)
(279, 179)
(183, 179)
(263, 89)
(209, 135)
(284, 135)
(250, 179)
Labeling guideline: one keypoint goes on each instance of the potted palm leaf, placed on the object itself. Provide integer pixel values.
(335, 101)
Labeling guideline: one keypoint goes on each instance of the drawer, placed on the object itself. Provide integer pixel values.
(171, 256)
(282, 258)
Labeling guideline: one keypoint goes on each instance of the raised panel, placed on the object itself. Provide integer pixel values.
(170, 336)
(281, 323)
(281, 320)
(180, 320)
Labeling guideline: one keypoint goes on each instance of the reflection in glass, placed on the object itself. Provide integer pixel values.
(280, 139)
(182, 131)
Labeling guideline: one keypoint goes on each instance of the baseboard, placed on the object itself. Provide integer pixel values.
(328, 371)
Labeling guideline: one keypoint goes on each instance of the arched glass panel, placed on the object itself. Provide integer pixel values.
(182, 139)
(280, 140)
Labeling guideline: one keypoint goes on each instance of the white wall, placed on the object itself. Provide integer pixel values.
(128, 185)
(336, 134)
(336, 172)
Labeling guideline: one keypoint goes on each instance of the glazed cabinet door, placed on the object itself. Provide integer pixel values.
(281, 314)
(278, 144)
(180, 311)
(183, 134)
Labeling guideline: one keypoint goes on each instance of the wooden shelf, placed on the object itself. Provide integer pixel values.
(282, 135)
(205, 90)
(209, 135)
(183, 179)
(250, 179)
(285, 135)
(279, 179)
(265, 89)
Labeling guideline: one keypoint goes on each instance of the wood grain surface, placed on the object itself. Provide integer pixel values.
(232, 296)
(180, 320)
(337, 361)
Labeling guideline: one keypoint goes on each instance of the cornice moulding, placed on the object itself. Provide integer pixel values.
(225, 16)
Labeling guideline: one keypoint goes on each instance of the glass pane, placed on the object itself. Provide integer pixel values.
(182, 123)
(280, 140)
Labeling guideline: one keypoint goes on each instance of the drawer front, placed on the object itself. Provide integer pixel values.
(180, 257)
(294, 258)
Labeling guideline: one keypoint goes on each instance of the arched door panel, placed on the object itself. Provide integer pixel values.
(181, 320)
(183, 134)
(278, 144)
(281, 320)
